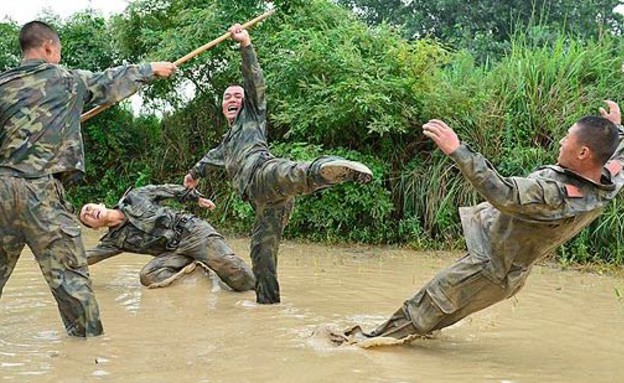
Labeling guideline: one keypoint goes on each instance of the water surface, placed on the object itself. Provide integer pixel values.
(565, 326)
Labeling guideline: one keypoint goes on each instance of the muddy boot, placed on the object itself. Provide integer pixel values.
(267, 290)
(398, 326)
(340, 170)
(156, 281)
(340, 337)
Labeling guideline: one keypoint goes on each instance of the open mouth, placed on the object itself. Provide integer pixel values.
(232, 108)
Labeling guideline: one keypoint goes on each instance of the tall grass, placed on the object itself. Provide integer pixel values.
(515, 112)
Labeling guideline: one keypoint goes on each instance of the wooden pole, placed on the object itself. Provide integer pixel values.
(100, 108)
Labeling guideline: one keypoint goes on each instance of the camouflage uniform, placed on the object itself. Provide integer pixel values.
(269, 184)
(175, 239)
(523, 221)
(40, 146)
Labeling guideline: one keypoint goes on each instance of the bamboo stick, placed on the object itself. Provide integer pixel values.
(100, 108)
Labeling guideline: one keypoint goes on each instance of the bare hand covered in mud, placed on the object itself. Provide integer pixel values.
(614, 115)
(442, 135)
(190, 182)
(205, 202)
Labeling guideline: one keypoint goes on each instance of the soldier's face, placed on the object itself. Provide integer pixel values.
(570, 149)
(94, 215)
(232, 102)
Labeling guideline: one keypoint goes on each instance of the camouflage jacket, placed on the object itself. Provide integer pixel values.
(244, 146)
(40, 107)
(149, 228)
(525, 219)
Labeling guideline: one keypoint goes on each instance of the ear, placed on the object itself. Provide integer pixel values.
(585, 153)
(47, 46)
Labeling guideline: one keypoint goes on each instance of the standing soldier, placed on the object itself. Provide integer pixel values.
(40, 147)
(140, 224)
(268, 183)
(522, 221)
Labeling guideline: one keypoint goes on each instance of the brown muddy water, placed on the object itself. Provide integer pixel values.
(563, 327)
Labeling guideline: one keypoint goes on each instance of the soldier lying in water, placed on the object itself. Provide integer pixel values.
(177, 240)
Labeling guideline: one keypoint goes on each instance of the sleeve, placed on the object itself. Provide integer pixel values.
(113, 84)
(102, 251)
(528, 198)
(214, 158)
(618, 155)
(253, 83)
(161, 192)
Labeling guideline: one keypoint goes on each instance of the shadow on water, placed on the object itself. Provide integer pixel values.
(563, 327)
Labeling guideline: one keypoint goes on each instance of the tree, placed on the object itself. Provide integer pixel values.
(9, 45)
(485, 27)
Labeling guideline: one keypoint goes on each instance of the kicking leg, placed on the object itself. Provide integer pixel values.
(279, 179)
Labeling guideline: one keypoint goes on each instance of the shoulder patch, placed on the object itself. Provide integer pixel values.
(573, 192)
(614, 167)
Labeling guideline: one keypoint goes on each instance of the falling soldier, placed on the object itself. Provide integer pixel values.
(523, 220)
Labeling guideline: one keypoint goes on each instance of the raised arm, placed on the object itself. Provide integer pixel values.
(253, 79)
(615, 116)
(528, 198)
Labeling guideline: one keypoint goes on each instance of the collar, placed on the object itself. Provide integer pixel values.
(33, 62)
(605, 183)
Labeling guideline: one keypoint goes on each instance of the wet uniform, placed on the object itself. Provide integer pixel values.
(40, 146)
(523, 221)
(175, 239)
(268, 183)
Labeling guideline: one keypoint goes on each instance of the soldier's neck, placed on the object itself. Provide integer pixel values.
(591, 174)
(116, 218)
(34, 54)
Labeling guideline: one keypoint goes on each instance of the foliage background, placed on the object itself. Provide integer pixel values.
(357, 79)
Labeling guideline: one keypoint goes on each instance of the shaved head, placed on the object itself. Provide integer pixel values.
(35, 33)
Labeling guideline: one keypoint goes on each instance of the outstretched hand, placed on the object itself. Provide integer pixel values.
(442, 135)
(205, 202)
(614, 115)
(240, 34)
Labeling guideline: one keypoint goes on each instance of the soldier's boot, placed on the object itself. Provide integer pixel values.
(340, 170)
(399, 326)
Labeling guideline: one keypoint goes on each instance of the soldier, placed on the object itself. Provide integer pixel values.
(41, 146)
(269, 184)
(139, 224)
(522, 221)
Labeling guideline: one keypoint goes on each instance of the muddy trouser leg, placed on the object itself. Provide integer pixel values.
(271, 219)
(271, 193)
(450, 296)
(278, 179)
(11, 246)
(11, 240)
(163, 267)
(203, 243)
(53, 234)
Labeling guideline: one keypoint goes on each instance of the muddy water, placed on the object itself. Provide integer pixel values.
(564, 327)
